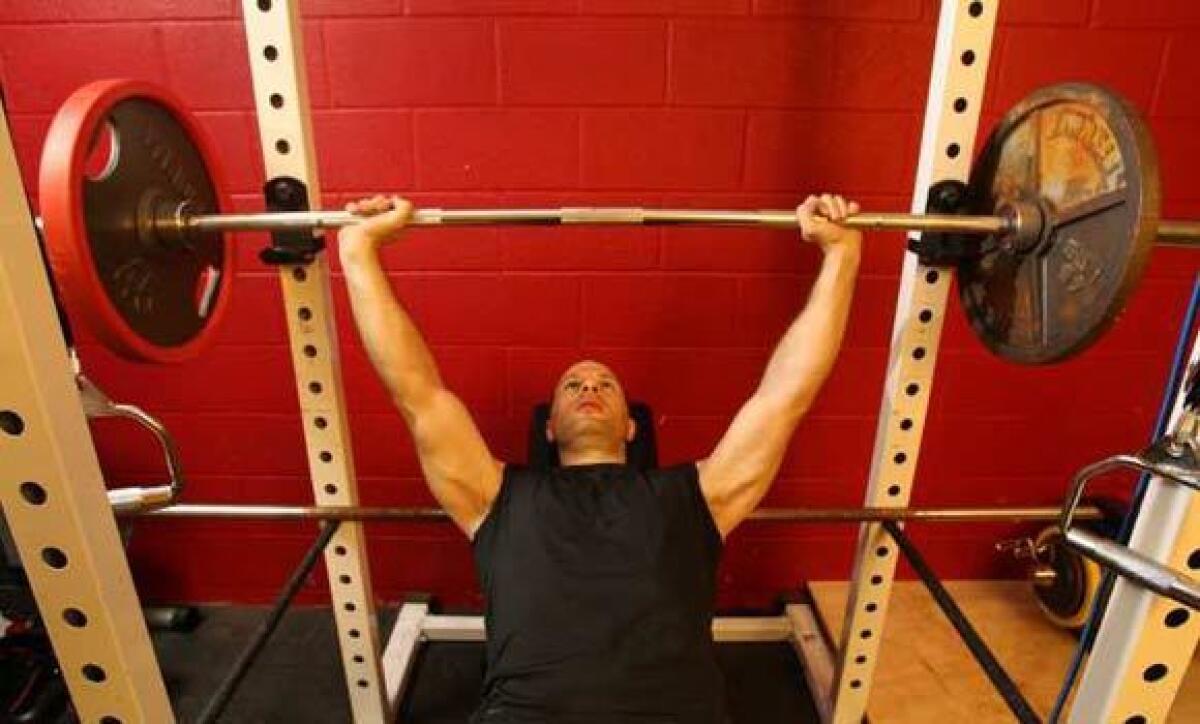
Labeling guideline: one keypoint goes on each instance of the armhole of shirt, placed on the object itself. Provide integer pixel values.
(498, 504)
(712, 532)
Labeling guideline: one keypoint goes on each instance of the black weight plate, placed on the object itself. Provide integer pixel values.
(1083, 155)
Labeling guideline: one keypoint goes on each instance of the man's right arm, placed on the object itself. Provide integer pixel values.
(461, 471)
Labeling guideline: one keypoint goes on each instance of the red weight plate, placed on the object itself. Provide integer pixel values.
(139, 295)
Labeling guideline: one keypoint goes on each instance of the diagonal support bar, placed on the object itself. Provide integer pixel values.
(1005, 686)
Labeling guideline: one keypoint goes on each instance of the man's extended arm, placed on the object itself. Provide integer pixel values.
(461, 472)
(737, 474)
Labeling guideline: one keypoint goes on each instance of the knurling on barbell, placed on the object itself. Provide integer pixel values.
(1063, 208)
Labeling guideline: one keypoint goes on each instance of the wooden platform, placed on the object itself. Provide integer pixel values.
(926, 674)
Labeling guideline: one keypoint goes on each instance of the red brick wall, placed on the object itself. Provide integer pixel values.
(673, 102)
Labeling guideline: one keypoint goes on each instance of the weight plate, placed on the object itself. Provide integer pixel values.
(1067, 602)
(120, 154)
(1084, 157)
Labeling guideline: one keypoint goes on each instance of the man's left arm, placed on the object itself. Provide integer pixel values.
(736, 476)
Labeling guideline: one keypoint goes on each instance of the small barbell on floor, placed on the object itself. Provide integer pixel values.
(1064, 202)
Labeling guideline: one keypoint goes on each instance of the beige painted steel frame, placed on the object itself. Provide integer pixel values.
(1136, 635)
(415, 626)
(66, 535)
(274, 41)
(920, 309)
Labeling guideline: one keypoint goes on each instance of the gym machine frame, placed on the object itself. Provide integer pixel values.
(93, 619)
(285, 133)
(53, 492)
(920, 311)
(1146, 641)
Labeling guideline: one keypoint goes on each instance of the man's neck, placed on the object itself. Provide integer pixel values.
(568, 458)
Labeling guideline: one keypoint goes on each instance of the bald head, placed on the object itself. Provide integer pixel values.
(589, 416)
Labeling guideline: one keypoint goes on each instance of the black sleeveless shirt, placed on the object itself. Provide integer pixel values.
(600, 583)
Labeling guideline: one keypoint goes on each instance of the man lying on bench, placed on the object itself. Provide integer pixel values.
(600, 577)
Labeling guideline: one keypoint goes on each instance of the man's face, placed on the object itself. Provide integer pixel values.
(589, 401)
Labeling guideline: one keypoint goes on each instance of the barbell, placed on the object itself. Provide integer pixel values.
(1052, 232)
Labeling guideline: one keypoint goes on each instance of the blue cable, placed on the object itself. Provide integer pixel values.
(1087, 636)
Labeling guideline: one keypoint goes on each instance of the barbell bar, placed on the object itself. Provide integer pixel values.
(1175, 232)
(598, 216)
(776, 515)
(1064, 196)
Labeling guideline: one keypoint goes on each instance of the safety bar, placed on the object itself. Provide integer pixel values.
(135, 499)
(1168, 459)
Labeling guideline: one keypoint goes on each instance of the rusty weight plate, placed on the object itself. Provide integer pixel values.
(119, 155)
(1084, 157)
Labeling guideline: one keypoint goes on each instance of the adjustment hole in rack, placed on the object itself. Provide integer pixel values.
(11, 423)
(33, 493)
(54, 557)
(1176, 618)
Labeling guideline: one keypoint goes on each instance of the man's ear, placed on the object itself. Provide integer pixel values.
(631, 430)
(549, 432)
